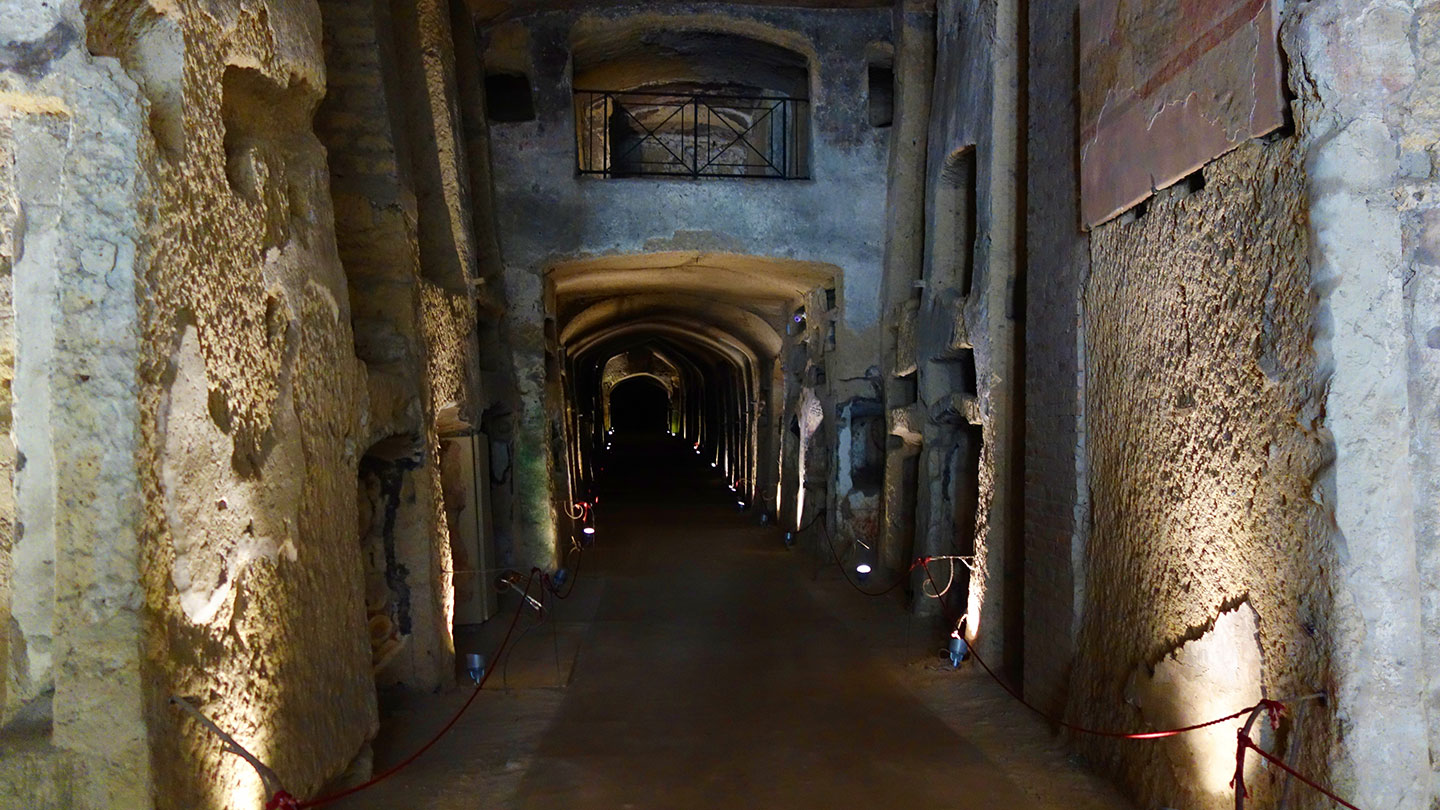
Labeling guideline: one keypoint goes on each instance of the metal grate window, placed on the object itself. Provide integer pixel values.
(659, 134)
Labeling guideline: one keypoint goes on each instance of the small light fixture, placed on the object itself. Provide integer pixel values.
(740, 504)
(959, 650)
(475, 667)
(862, 571)
(588, 530)
(789, 539)
(712, 464)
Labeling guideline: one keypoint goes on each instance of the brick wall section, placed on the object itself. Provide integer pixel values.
(375, 210)
(1057, 264)
(415, 338)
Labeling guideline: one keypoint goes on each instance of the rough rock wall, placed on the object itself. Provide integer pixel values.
(440, 172)
(975, 112)
(252, 399)
(1368, 80)
(449, 330)
(1057, 260)
(9, 212)
(375, 210)
(914, 67)
(1205, 444)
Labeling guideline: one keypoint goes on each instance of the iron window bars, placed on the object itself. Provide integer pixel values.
(639, 134)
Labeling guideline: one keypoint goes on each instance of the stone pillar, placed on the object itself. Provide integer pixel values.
(904, 250)
(76, 127)
(1000, 556)
(1366, 117)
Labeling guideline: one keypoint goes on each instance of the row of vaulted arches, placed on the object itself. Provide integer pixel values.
(706, 329)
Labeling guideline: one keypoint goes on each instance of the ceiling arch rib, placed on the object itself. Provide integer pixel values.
(756, 332)
(770, 288)
(716, 341)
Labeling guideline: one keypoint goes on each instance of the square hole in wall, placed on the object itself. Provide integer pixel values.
(882, 95)
(508, 98)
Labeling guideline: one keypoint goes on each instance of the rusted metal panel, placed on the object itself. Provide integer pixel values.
(1166, 87)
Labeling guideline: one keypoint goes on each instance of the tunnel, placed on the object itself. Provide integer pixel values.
(641, 405)
(661, 404)
(712, 328)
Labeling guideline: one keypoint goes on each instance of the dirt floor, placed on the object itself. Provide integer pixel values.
(698, 663)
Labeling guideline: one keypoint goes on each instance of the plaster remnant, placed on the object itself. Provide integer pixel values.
(221, 522)
(1162, 94)
(1207, 677)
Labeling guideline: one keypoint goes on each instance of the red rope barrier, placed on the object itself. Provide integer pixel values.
(1273, 707)
(1119, 735)
(1246, 742)
(279, 800)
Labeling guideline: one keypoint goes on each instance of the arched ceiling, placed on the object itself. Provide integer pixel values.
(619, 58)
(712, 310)
(650, 362)
(756, 332)
(491, 11)
(769, 288)
(699, 339)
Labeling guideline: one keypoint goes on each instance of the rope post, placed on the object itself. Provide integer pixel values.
(1241, 743)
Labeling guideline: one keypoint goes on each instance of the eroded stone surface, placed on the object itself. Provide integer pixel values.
(1204, 445)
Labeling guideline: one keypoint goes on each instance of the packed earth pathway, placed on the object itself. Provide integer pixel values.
(707, 675)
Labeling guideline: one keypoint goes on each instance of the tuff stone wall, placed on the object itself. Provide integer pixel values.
(972, 327)
(1308, 262)
(72, 729)
(403, 228)
(9, 211)
(189, 390)
(253, 405)
(913, 68)
(1205, 444)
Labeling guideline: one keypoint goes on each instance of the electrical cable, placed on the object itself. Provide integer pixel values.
(389, 772)
(900, 580)
(505, 667)
(579, 552)
(948, 582)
